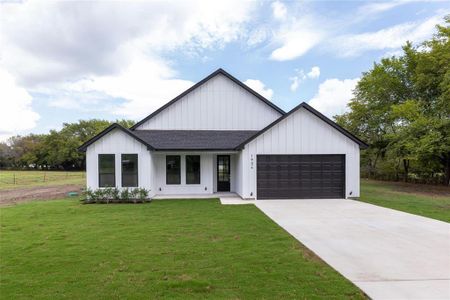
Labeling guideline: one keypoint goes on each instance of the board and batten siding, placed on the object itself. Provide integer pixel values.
(218, 104)
(117, 142)
(300, 133)
(206, 174)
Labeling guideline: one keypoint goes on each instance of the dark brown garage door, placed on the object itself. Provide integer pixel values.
(300, 176)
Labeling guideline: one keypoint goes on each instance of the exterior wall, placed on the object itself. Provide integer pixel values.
(218, 104)
(206, 175)
(301, 133)
(118, 142)
(238, 178)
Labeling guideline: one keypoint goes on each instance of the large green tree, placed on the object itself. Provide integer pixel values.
(401, 107)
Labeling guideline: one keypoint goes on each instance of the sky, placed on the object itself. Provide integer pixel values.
(65, 61)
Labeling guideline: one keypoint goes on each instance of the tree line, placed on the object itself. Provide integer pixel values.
(401, 108)
(56, 150)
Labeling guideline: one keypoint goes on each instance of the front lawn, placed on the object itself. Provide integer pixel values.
(428, 201)
(165, 249)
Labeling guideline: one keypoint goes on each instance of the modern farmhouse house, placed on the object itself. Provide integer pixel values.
(221, 136)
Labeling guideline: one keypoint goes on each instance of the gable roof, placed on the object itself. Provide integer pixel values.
(306, 106)
(194, 139)
(109, 129)
(201, 82)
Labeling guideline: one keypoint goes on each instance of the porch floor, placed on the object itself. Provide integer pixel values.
(226, 198)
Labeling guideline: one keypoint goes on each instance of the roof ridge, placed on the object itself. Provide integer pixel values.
(108, 129)
(201, 82)
(317, 114)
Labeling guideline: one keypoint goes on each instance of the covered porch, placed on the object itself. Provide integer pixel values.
(195, 174)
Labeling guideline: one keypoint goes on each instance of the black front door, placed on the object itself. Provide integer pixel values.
(223, 173)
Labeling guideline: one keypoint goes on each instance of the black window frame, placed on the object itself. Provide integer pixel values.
(176, 157)
(199, 169)
(100, 173)
(134, 173)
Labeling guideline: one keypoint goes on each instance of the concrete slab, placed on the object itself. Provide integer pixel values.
(235, 201)
(387, 253)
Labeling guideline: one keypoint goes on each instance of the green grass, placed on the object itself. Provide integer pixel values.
(23, 179)
(165, 249)
(412, 201)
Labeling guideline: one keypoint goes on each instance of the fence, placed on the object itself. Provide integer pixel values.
(12, 178)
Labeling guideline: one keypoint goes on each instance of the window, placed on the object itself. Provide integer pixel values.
(173, 169)
(129, 170)
(106, 170)
(192, 169)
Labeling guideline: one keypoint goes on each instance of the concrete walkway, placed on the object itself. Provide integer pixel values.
(387, 253)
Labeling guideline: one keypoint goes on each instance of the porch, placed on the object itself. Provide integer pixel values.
(195, 174)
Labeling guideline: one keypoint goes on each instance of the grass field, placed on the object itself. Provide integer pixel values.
(165, 249)
(23, 179)
(427, 201)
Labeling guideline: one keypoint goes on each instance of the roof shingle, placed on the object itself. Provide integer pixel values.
(194, 139)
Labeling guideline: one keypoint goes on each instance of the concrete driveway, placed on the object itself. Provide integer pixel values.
(387, 253)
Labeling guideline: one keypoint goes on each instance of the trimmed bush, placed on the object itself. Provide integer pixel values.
(115, 195)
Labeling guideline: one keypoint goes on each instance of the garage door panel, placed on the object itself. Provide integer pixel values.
(300, 176)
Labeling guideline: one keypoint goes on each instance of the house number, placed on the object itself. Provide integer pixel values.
(251, 161)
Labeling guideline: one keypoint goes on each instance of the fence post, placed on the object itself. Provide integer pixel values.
(44, 176)
(14, 178)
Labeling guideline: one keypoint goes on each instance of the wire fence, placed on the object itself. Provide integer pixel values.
(12, 178)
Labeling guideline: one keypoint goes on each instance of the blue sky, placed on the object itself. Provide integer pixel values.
(65, 61)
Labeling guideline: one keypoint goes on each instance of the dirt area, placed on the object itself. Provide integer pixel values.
(37, 193)
(417, 188)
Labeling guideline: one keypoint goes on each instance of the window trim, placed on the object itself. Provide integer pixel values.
(137, 169)
(199, 169)
(98, 171)
(179, 170)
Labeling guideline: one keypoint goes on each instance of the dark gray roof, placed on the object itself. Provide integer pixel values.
(194, 139)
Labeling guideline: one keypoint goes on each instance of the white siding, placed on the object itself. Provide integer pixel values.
(238, 174)
(218, 104)
(301, 133)
(206, 175)
(117, 142)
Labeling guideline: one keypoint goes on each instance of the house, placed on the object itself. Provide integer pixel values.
(221, 136)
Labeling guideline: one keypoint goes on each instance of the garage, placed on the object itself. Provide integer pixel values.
(301, 176)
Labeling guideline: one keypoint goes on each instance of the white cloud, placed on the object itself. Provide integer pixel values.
(83, 55)
(314, 73)
(296, 30)
(16, 113)
(259, 87)
(296, 40)
(279, 10)
(333, 96)
(301, 76)
(373, 8)
(74, 39)
(385, 39)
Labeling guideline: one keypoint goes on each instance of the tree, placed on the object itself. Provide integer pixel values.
(55, 150)
(401, 107)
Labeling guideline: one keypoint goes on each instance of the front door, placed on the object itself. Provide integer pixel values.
(223, 173)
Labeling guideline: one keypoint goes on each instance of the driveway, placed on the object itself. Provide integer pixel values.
(387, 253)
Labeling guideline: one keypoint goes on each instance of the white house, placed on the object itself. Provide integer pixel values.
(221, 136)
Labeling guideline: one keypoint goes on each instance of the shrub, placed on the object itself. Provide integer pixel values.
(89, 196)
(142, 194)
(113, 194)
(125, 195)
